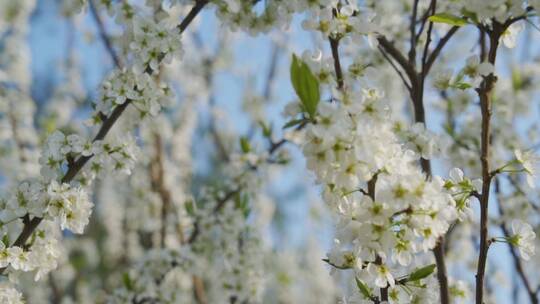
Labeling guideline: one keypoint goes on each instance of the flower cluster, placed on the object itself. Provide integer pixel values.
(153, 43)
(322, 16)
(462, 188)
(230, 244)
(8, 294)
(347, 20)
(60, 151)
(473, 69)
(40, 256)
(69, 204)
(486, 12)
(161, 276)
(141, 90)
(388, 210)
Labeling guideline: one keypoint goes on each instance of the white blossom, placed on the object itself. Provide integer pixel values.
(523, 238)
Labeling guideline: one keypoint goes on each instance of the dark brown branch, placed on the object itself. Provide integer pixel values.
(428, 39)
(485, 91)
(387, 58)
(412, 29)
(334, 45)
(429, 11)
(394, 53)
(435, 53)
(199, 5)
(442, 276)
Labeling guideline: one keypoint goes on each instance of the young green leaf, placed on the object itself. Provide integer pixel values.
(421, 273)
(127, 281)
(364, 289)
(293, 123)
(244, 144)
(448, 19)
(5, 240)
(266, 129)
(305, 85)
(461, 86)
(190, 208)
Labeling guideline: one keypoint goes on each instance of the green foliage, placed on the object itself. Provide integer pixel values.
(448, 19)
(421, 273)
(306, 86)
(364, 289)
(244, 144)
(293, 123)
(127, 281)
(190, 208)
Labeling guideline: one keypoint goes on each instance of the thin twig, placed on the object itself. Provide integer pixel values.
(435, 53)
(412, 29)
(394, 66)
(103, 35)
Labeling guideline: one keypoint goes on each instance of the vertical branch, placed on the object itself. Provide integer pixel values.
(412, 29)
(267, 93)
(485, 91)
(198, 290)
(157, 173)
(371, 193)
(334, 46)
(416, 92)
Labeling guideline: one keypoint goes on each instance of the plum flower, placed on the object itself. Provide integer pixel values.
(9, 294)
(475, 68)
(530, 163)
(523, 238)
(509, 37)
(383, 276)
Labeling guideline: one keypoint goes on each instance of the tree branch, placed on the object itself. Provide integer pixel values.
(485, 91)
(103, 34)
(435, 53)
(412, 29)
(334, 45)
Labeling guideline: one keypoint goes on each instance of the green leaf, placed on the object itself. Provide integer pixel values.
(266, 130)
(421, 273)
(448, 19)
(364, 289)
(242, 203)
(244, 144)
(461, 86)
(5, 240)
(127, 281)
(306, 85)
(190, 208)
(293, 123)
